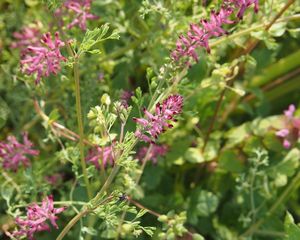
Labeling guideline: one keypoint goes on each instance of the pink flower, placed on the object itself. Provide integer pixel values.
(54, 179)
(243, 5)
(36, 218)
(43, 60)
(291, 133)
(81, 9)
(14, 153)
(289, 113)
(156, 151)
(100, 154)
(125, 97)
(28, 36)
(283, 133)
(155, 124)
(200, 34)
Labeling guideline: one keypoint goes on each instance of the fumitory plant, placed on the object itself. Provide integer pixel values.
(152, 119)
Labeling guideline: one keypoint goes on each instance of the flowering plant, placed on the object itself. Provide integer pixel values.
(149, 119)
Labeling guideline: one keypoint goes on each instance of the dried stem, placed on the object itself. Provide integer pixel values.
(253, 44)
(62, 130)
(247, 51)
(212, 123)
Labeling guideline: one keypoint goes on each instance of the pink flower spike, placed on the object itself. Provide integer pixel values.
(125, 97)
(157, 150)
(290, 111)
(36, 217)
(286, 144)
(200, 34)
(291, 131)
(98, 155)
(157, 123)
(81, 10)
(54, 179)
(45, 60)
(14, 153)
(282, 133)
(27, 36)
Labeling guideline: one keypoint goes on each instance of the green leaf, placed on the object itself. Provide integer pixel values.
(194, 155)
(278, 29)
(237, 135)
(224, 232)
(286, 167)
(291, 229)
(54, 115)
(90, 231)
(4, 111)
(6, 193)
(204, 202)
(31, 3)
(272, 142)
(261, 126)
(141, 213)
(95, 36)
(290, 163)
(197, 236)
(230, 161)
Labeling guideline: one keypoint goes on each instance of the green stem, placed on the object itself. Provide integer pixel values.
(81, 214)
(72, 223)
(251, 29)
(107, 183)
(274, 207)
(144, 161)
(55, 203)
(80, 127)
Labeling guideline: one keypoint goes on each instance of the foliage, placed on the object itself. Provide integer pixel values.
(150, 120)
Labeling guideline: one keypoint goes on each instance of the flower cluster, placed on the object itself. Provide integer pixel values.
(28, 36)
(155, 124)
(155, 152)
(54, 179)
(291, 132)
(199, 34)
(36, 218)
(81, 9)
(125, 97)
(242, 5)
(105, 154)
(43, 60)
(13, 153)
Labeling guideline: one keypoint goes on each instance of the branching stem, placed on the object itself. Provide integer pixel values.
(293, 185)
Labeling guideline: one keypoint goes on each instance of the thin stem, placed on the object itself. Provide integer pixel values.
(248, 50)
(81, 214)
(107, 182)
(62, 130)
(267, 233)
(55, 203)
(122, 132)
(72, 223)
(252, 201)
(143, 207)
(293, 185)
(214, 43)
(253, 44)
(212, 123)
(144, 161)
(11, 180)
(80, 127)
